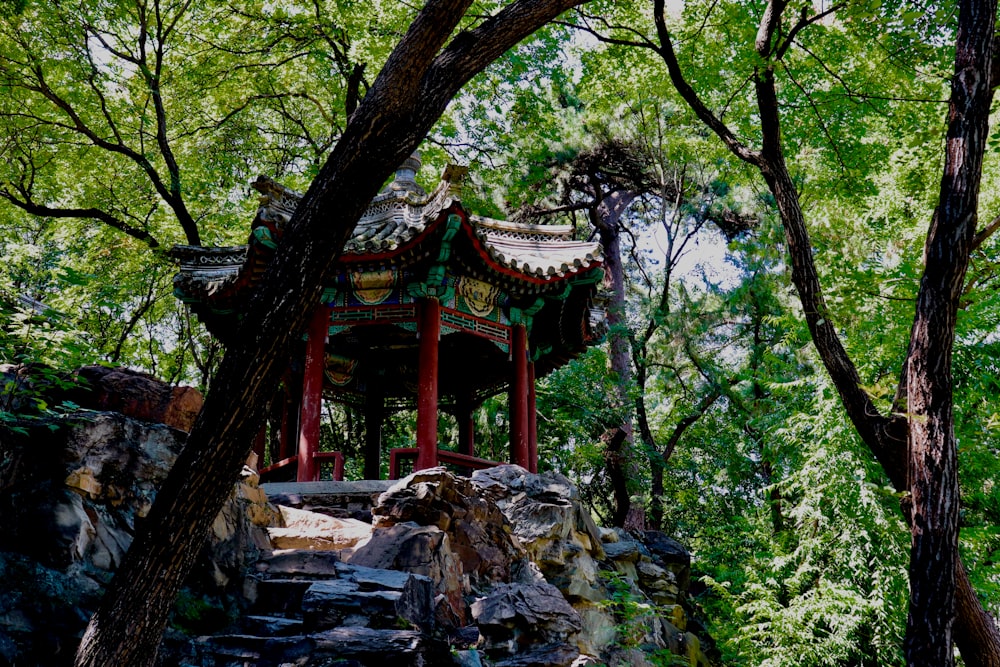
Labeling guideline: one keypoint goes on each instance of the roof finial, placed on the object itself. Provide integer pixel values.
(406, 175)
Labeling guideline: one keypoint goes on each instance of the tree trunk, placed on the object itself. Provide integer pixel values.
(605, 217)
(932, 469)
(922, 463)
(975, 630)
(411, 92)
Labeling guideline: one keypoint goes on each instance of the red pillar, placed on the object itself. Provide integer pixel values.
(312, 395)
(532, 421)
(289, 417)
(260, 445)
(429, 330)
(518, 398)
(465, 415)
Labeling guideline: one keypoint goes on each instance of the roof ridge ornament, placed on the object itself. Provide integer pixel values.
(454, 175)
(405, 178)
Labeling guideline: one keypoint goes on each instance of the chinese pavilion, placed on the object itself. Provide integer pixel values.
(431, 307)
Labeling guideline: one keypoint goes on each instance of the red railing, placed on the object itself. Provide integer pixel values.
(321, 458)
(396, 456)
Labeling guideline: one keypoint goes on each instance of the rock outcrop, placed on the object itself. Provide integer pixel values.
(70, 500)
(506, 568)
(137, 395)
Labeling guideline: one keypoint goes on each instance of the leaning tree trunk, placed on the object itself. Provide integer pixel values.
(922, 464)
(411, 92)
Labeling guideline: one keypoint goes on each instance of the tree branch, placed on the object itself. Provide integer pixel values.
(666, 52)
(804, 21)
(986, 231)
(769, 24)
(29, 206)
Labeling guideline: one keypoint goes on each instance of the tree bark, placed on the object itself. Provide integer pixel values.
(605, 216)
(413, 89)
(932, 470)
(916, 450)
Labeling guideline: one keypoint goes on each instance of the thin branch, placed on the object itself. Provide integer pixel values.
(985, 233)
(819, 117)
(29, 206)
(666, 52)
(802, 23)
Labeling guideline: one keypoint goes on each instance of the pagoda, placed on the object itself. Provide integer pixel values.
(430, 307)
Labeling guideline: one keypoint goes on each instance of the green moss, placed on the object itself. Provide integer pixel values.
(200, 614)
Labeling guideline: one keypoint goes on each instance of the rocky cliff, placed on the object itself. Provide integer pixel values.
(504, 568)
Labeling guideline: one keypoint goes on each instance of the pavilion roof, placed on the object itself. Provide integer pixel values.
(536, 271)
(533, 258)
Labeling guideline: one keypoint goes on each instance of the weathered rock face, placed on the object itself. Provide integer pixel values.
(69, 503)
(102, 389)
(478, 532)
(424, 550)
(137, 395)
(514, 618)
(550, 522)
(75, 494)
(504, 569)
(302, 529)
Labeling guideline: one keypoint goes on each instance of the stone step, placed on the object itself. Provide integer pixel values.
(272, 626)
(298, 564)
(379, 648)
(362, 647)
(380, 599)
(337, 499)
(278, 597)
(330, 604)
(342, 594)
(246, 650)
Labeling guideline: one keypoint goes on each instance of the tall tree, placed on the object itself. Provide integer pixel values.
(916, 444)
(423, 73)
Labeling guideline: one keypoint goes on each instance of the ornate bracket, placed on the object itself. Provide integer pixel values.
(437, 285)
(525, 315)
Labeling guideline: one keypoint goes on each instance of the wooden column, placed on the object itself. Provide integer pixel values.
(374, 414)
(260, 446)
(532, 421)
(518, 397)
(312, 395)
(291, 401)
(465, 415)
(429, 331)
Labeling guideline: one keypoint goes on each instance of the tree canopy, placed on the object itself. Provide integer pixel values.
(798, 203)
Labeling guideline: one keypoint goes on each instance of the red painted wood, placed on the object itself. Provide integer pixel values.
(532, 421)
(260, 445)
(466, 417)
(518, 398)
(427, 384)
(338, 464)
(312, 395)
(283, 463)
(396, 456)
(289, 410)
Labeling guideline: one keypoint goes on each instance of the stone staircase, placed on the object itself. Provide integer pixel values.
(310, 609)
(319, 599)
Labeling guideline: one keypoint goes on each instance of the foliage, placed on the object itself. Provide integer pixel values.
(40, 350)
(200, 614)
(635, 616)
(123, 131)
